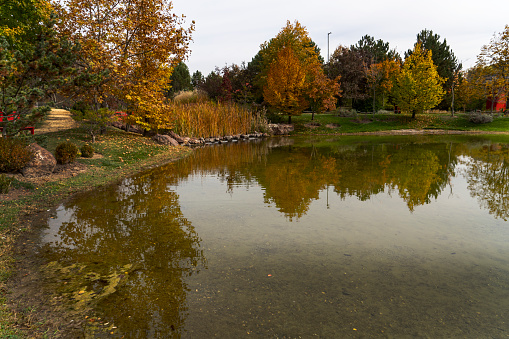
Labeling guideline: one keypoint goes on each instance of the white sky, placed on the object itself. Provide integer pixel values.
(231, 31)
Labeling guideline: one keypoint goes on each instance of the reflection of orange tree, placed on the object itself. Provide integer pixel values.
(292, 179)
(487, 174)
(139, 224)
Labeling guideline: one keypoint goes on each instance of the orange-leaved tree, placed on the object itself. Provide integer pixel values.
(128, 52)
(321, 92)
(286, 84)
(291, 71)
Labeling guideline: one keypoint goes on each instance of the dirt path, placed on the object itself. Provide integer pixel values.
(58, 119)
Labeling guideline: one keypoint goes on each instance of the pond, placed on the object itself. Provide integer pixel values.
(288, 238)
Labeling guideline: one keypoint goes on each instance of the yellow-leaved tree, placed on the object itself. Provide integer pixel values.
(128, 51)
(418, 85)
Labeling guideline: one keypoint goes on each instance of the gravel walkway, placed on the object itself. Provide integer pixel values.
(58, 119)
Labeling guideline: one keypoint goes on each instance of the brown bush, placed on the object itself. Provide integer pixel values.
(14, 154)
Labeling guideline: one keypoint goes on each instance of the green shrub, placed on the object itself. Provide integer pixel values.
(480, 118)
(5, 183)
(87, 151)
(79, 106)
(66, 153)
(14, 154)
(346, 112)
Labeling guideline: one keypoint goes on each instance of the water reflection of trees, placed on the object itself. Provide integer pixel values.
(487, 175)
(140, 224)
(292, 176)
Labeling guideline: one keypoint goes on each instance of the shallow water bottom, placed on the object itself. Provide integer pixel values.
(252, 248)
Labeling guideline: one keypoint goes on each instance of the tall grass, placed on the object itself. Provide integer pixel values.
(188, 97)
(204, 119)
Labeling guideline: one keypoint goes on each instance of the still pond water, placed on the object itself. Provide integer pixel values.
(298, 238)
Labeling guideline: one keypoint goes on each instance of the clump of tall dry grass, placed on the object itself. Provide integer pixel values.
(195, 96)
(202, 119)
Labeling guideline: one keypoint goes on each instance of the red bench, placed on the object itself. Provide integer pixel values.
(120, 115)
(11, 117)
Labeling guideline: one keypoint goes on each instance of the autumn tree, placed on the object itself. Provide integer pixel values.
(470, 93)
(445, 61)
(286, 84)
(347, 64)
(494, 63)
(321, 92)
(20, 20)
(212, 84)
(294, 36)
(374, 55)
(361, 70)
(241, 81)
(389, 69)
(129, 50)
(288, 67)
(34, 62)
(418, 86)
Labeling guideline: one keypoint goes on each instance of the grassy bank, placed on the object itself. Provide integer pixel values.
(119, 154)
(362, 123)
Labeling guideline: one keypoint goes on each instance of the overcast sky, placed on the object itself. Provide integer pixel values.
(231, 31)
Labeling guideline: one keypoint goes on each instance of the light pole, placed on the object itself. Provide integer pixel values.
(328, 66)
(328, 34)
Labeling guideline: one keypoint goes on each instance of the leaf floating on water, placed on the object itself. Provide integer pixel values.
(81, 292)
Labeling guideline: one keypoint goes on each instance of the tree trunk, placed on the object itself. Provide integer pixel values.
(452, 103)
(289, 119)
(374, 102)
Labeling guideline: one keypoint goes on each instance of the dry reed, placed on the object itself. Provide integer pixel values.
(204, 119)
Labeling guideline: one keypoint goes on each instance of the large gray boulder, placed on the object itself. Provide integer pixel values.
(42, 164)
(280, 129)
(165, 140)
(177, 137)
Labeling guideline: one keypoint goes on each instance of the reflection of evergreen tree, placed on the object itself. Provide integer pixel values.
(361, 171)
(139, 224)
(487, 174)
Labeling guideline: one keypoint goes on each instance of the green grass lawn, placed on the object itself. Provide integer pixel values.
(332, 124)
